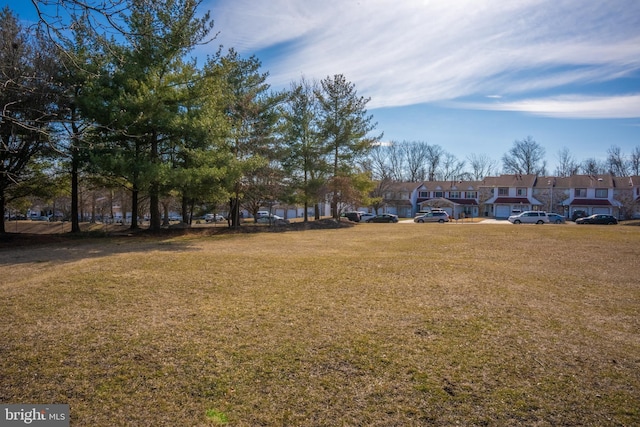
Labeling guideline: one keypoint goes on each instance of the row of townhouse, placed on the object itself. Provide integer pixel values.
(501, 196)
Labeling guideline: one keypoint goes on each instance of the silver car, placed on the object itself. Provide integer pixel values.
(555, 218)
(529, 217)
(435, 216)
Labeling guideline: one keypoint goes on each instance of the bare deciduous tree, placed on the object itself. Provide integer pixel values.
(481, 166)
(634, 162)
(616, 162)
(396, 162)
(416, 155)
(451, 169)
(435, 153)
(593, 166)
(378, 162)
(567, 164)
(525, 157)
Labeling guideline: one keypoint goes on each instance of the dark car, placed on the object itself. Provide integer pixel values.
(352, 216)
(597, 219)
(578, 214)
(384, 218)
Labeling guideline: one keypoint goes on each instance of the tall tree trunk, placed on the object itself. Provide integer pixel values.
(165, 213)
(2, 205)
(306, 196)
(334, 197)
(234, 212)
(154, 208)
(154, 189)
(134, 208)
(75, 164)
(184, 208)
(75, 221)
(93, 207)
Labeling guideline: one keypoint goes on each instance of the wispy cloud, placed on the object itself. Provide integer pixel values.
(568, 106)
(410, 52)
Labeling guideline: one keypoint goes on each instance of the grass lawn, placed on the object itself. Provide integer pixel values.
(377, 324)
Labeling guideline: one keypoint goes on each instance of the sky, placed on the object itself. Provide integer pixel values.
(472, 76)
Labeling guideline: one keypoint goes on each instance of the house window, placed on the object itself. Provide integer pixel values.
(388, 195)
(521, 192)
(581, 192)
(424, 195)
(602, 193)
(503, 191)
(404, 195)
(454, 194)
(471, 195)
(438, 194)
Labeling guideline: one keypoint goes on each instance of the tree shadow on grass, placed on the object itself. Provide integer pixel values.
(60, 248)
(19, 248)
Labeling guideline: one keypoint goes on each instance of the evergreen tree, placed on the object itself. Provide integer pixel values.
(304, 160)
(345, 128)
(145, 87)
(27, 72)
(251, 110)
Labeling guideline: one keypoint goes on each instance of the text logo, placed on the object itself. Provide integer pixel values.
(34, 415)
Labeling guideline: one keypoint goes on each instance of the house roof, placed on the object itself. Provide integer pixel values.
(464, 201)
(399, 186)
(451, 185)
(590, 202)
(626, 181)
(585, 181)
(449, 201)
(512, 200)
(546, 182)
(509, 181)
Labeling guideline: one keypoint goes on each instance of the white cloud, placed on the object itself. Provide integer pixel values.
(409, 52)
(568, 106)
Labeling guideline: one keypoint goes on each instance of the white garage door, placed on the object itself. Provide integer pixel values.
(600, 210)
(503, 211)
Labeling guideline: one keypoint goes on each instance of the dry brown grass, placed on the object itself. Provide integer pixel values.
(378, 324)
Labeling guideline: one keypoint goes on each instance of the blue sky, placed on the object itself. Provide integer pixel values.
(469, 75)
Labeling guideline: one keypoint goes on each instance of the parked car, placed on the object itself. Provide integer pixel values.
(597, 219)
(352, 216)
(384, 218)
(214, 218)
(434, 216)
(578, 214)
(555, 218)
(529, 217)
(272, 219)
(364, 216)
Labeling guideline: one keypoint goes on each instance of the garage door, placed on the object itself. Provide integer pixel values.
(503, 211)
(600, 211)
